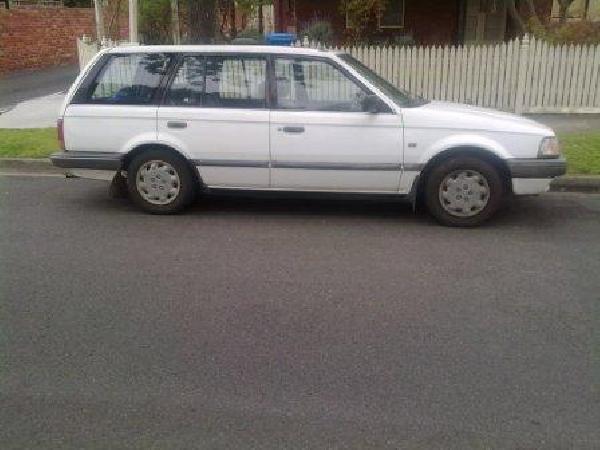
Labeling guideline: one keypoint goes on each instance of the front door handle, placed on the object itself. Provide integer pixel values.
(176, 124)
(295, 130)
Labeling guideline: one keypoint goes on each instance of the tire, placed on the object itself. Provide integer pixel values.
(463, 191)
(161, 182)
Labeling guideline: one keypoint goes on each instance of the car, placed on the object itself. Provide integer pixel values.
(179, 120)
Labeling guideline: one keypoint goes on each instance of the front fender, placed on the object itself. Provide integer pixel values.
(464, 141)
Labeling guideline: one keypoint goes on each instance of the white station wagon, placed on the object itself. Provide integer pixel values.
(177, 120)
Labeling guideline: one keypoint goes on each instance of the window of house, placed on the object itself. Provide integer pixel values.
(393, 15)
(129, 79)
(313, 85)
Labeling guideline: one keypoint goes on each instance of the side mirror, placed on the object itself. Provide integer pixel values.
(371, 104)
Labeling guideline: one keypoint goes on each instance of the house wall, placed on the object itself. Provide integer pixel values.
(432, 21)
(428, 21)
(35, 38)
(577, 10)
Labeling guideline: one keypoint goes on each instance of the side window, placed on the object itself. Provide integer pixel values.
(129, 79)
(187, 88)
(313, 85)
(235, 82)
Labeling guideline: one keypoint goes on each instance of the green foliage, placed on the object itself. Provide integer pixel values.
(581, 32)
(582, 151)
(155, 21)
(319, 31)
(362, 16)
(251, 33)
(251, 6)
(78, 3)
(28, 142)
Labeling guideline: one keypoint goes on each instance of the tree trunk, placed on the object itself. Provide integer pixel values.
(201, 14)
(175, 22)
(233, 25)
(515, 16)
(531, 7)
(261, 26)
(99, 15)
(586, 9)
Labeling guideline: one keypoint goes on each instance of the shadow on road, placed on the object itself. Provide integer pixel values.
(535, 212)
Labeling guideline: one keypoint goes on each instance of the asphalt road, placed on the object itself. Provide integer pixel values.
(25, 85)
(265, 323)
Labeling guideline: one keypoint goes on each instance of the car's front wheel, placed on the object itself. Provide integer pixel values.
(463, 191)
(160, 182)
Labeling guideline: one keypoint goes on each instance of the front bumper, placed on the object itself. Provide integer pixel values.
(533, 176)
(537, 168)
(87, 160)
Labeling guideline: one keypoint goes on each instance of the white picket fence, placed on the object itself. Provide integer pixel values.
(522, 76)
(87, 49)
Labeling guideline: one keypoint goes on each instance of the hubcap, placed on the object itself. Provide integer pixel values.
(464, 193)
(157, 182)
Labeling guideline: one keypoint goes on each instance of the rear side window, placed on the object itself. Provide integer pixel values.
(220, 82)
(131, 79)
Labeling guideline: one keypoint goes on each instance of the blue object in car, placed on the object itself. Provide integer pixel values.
(281, 39)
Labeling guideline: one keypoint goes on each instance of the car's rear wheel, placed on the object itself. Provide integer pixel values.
(463, 191)
(160, 182)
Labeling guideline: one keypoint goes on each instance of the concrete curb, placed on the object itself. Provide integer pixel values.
(576, 183)
(29, 165)
(567, 183)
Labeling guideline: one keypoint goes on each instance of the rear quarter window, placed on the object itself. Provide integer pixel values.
(127, 79)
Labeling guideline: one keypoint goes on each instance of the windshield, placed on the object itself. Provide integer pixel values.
(402, 98)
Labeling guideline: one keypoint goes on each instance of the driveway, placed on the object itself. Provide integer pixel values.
(32, 99)
(269, 323)
(21, 86)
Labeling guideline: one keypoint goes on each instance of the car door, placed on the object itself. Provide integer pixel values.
(321, 139)
(215, 112)
(116, 103)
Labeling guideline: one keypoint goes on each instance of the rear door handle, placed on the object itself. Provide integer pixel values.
(295, 130)
(176, 124)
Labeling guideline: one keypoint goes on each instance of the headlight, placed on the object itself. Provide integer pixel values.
(549, 148)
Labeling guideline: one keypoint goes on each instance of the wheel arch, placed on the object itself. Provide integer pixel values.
(475, 151)
(141, 148)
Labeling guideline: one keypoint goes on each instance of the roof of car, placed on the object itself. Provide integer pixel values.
(263, 49)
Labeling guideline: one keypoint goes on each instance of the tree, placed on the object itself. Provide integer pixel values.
(175, 22)
(531, 19)
(202, 20)
(155, 21)
(362, 15)
(254, 7)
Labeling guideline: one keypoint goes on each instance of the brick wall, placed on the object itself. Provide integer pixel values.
(34, 38)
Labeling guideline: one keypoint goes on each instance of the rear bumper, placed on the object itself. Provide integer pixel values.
(537, 168)
(87, 160)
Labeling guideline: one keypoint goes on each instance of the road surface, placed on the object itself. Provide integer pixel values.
(269, 323)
